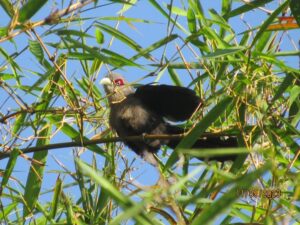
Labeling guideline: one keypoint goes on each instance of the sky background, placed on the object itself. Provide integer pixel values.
(144, 34)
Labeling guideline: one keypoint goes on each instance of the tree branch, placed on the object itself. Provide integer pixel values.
(4, 155)
(52, 18)
(70, 144)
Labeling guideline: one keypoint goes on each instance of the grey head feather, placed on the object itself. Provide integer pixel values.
(116, 87)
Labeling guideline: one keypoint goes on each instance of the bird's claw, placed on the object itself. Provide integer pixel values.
(144, 135)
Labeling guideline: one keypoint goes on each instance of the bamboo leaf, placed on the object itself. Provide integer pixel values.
(8, 7)
(288, 80)
(156, 45)
(37, 50)
(36, 174)
(191, 18)
(268, 21)
(99, 36)
(210, 213)
(224, 52)
(246, 7)
(199, 129)
(295, 8)
(55, 199)
(30, 8)
(74, 134)
(119, 35)
(114, 193)
(207, 120)
(9, 168)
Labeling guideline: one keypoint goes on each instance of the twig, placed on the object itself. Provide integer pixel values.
(33, 111)
(49, 19)
(85, 143)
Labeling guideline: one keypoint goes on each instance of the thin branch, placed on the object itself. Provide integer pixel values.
(32, 111)
(52, 18)
(82, 143)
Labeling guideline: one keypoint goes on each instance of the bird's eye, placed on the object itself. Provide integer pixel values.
(119, 82)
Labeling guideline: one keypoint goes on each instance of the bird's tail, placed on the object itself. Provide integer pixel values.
(207, 142)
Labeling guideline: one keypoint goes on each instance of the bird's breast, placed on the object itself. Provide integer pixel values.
(129, 116)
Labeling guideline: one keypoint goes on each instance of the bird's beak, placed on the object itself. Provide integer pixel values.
(106, 81)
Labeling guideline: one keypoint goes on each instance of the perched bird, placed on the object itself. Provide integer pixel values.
(146, 111)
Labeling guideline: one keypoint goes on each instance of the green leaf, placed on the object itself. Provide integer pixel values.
(6, 76)
(9, 168)
(246, 7)
(72, 133)
(91, 53)
(207, 120)
(19, 123)
(162, 11)
(224, 52)
(122, 200)
(208, 152)
(294, 94)
(99, 36)
(288, 80)
(7, 210)
(55, 199)
(36, 174)
(120, 59)
(30, 8)
(119, 35)
(71, 218)
(64, 32)
(8, 7)
(191, 21)
(264, 42)
(177, 11)
(156, 45)
(129, 213)
(37, 50)
(295, 8)
(200, 128)
(174, 77)
(226, 7)
(127, 6)
(268, 21)
(190, 65)
(210, 213)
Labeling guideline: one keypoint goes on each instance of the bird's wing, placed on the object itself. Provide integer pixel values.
(173, 102)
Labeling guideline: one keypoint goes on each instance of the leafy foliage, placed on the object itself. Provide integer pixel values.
(238, 59)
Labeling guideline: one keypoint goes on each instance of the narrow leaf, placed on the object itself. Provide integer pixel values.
(191, 21)
(199, 129)
(9, 168)
(268, 21)
(295, 8)
(30, 8)
(36, 174)
(8, 7)
(288, 80)
(224, 52)
(119, 35)
(246, 7)
(55, 199)
(210, 213)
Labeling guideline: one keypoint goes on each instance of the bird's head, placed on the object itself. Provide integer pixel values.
(116, 87)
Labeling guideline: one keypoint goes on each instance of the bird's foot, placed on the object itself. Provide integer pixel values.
(150, 158)
(144, 135)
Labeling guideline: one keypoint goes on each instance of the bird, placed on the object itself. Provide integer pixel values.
(151, 109)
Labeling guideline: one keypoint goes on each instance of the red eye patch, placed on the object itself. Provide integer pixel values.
(119, 82)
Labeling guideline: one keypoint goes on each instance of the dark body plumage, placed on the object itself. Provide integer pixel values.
(144, 111)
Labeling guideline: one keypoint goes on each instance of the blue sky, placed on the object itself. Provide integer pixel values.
(144, 34)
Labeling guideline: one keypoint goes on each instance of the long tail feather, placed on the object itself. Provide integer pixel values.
(208, 142)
